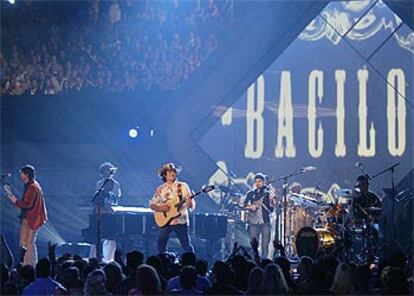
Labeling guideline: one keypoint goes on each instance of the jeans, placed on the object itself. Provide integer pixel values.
(28, 241)
(264, 230)
(181, 230)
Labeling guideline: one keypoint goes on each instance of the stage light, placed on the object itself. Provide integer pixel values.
(49, 233)
(133, 133)
(11, 1)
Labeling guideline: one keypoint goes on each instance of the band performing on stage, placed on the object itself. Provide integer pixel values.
(305, 223)
(207, 147)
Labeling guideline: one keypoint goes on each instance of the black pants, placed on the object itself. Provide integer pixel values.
(181, 230)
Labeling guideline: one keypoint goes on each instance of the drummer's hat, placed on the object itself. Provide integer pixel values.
(361, 179)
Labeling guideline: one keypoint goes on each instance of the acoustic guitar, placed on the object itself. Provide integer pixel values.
(164, 218)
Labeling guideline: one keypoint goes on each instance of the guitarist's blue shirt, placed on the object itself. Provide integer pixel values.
(165, 192)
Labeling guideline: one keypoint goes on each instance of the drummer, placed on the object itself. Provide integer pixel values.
(364, 200)
(366, 206)
(295, 188)
(294, 192)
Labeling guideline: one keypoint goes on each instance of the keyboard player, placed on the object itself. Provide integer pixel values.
(110, 196)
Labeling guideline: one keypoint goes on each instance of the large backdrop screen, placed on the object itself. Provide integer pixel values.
(341, 93)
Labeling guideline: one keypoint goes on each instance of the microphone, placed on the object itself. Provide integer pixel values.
(5, 175)
(361, 167)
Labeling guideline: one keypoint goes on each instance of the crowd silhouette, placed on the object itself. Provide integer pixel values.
(241, 273)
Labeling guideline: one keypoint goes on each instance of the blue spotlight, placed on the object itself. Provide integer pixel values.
(133, 133)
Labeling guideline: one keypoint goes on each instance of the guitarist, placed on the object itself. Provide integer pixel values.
(33, 212)
(171, 189)
(260, 202)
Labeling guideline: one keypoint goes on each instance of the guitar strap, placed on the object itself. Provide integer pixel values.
(179, 192)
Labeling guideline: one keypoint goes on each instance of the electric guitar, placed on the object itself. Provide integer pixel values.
(8, 189)
(164, 218)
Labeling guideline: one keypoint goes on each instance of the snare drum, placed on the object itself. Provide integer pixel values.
(311, 241)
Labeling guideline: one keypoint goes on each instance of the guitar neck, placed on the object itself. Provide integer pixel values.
(8, 189)
(190, 197)
(195, 194)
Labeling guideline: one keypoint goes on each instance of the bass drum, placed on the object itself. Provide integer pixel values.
(311, 241)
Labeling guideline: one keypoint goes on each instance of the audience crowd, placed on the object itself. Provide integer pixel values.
(108, 45)
(240, 273)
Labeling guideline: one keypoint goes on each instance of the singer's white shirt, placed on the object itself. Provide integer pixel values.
(167, 192)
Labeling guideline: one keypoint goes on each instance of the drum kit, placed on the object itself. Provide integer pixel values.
(309, 224)
(315, 226)
(318, 227)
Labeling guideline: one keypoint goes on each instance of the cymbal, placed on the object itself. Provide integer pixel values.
(308, 198)
(303, 200)
(313, 195)
(297, 195)
(344, 192)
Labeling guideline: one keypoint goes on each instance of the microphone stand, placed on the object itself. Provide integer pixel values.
(97, 201)
(230, 182)
(361, 167)
(285, 188)
(392, 170)
(224, 197)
